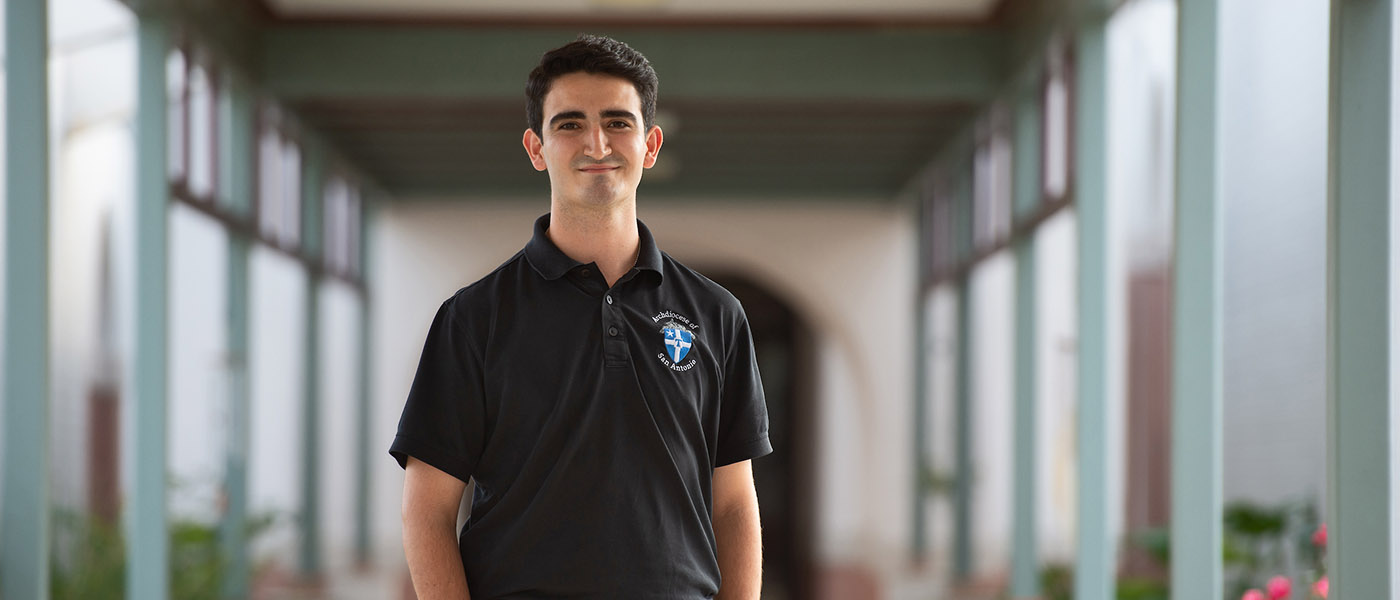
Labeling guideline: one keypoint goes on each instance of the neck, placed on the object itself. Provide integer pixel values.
(605, 237)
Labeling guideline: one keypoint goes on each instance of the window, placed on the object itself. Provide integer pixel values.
(175, 68)
(291, 193)
(202, 136)
(193, 132)
(232, 172)
(269, 182)
(944, 231)
(342, 227)
(928, 224)
(279, 182)
(992, 179)
(1057, 122)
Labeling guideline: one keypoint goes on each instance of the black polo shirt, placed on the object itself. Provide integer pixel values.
(592, 419)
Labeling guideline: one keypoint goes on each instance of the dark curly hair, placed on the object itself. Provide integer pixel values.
(590, 54)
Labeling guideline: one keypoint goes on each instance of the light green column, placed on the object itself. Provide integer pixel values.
(311, 187)
(24, 524)
(1197, 305)
(1025, 576)
(1361, 283)
(962, 437)
(236, 177)
(1025, 560)
(919, 542)
(367, 446)
(1095, 559)
(233, 531)
(147, 541)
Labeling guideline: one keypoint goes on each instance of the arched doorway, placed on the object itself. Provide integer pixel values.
(785, 482)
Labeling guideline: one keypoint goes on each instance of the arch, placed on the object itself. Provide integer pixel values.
(785, 479)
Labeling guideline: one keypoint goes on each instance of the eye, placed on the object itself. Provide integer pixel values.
(619, 124)
(568, 125)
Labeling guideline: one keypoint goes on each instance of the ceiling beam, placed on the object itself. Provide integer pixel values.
(304, 62)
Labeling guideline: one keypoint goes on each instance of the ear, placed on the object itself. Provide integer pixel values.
(653, 146)
(533, 147)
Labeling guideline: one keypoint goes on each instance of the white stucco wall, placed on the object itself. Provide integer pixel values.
(276, 345)
(339, 418)
(847, 270)
(993, 376)
(1274, 119)
(941, 417)
(991, 391)
(1057, 385)
(197, 429)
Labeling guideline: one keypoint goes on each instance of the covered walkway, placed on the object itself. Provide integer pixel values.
(1037, 285)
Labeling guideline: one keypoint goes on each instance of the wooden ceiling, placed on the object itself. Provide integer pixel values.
(436, 109)
(446, 148)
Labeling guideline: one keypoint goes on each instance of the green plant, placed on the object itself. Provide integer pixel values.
(1157, 542)
(1264, 542)
(95, 569)
(1057, 582)
(1260, 542)
(1142, 588)
(938, 483)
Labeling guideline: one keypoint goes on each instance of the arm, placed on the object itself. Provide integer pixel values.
(430, 501)
(737, 532)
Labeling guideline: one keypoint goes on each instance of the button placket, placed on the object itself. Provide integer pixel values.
(615, 350)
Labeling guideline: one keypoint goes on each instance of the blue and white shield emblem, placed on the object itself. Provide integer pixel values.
(678, 342)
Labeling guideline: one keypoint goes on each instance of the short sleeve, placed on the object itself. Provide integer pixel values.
(443, 421)
(743, 418)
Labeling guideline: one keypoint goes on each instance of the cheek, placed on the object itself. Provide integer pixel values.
(555, 156)
(637, 150)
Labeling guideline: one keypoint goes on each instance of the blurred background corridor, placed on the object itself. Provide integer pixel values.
(1040, 289)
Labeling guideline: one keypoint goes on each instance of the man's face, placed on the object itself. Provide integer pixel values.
(594, 145)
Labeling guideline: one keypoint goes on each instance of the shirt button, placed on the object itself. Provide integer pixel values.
(612, 331)
(608, 298)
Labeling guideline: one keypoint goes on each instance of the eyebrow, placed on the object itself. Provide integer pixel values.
(619, 114)
(607, 114)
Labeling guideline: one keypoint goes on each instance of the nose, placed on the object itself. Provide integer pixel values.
(596, 146)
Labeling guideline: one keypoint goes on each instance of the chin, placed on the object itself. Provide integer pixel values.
(601, 197)
(594, 200)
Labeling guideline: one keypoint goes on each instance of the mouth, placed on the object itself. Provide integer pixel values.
(599, 168)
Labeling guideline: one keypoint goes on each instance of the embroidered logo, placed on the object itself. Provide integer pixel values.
(678, 339)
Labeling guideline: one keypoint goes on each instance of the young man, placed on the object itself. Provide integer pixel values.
(604, 397)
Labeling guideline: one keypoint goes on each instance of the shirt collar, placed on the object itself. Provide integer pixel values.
(551, 262)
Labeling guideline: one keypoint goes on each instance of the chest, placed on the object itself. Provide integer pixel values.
(570, 355)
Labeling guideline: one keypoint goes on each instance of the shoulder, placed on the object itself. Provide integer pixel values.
(475, 304)
(719, 302)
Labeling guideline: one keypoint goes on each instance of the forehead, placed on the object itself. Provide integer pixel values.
(590, 93)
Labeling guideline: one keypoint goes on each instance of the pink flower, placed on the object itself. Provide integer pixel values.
(1253, 595)
(1320, 588)
(1320, 536)
(1279, 587)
